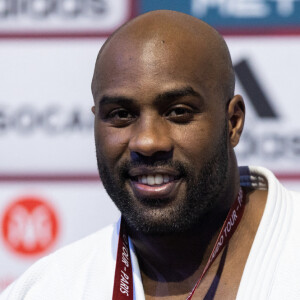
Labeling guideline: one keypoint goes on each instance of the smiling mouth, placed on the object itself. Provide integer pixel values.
(155, 184)
(155, 179)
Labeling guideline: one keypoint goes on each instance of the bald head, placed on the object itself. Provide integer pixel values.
(189, 43)
(160, 87)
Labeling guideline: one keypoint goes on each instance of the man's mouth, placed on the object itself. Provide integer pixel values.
(158, 183)
(155, 179)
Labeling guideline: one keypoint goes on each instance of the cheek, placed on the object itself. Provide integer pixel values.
(196, 142)
(111, 142)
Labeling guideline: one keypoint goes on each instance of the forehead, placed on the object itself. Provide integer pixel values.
(133, 64)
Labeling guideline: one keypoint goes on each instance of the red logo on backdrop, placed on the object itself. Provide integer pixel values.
(30, 226)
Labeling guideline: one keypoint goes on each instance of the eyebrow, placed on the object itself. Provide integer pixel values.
(167, 96)
(176, 94)
(115, 100)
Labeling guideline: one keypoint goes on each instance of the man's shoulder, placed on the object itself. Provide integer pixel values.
(261, 178)
(274, 261)
(71, 269)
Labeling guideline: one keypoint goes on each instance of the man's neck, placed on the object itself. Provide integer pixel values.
(177, 257)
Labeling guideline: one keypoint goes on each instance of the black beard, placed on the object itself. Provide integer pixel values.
(204, 188)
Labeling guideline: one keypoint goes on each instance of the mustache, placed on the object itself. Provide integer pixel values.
(127, 165)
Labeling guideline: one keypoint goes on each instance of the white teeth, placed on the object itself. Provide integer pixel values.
(144, 179)
(158, 179)
(155, 179)
(150, 180)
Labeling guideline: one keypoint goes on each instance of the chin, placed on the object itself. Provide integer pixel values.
(162, 220)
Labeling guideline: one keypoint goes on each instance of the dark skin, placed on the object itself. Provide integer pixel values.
(162, 87)
(237, 254)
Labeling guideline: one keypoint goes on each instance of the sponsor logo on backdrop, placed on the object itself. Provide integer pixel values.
(51, 120)
(30, 226)
(259, 99)
(245, 8)
(259, 141)
(241, 16)
(73, 16)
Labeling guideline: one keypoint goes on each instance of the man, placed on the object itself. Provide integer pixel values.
(166, 123)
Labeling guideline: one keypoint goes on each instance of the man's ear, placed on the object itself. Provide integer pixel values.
(93, 109)
(236, 119)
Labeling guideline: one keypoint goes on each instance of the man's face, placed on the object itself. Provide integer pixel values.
(161, 135)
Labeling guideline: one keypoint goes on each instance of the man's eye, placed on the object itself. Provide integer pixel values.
(120, 117)
(120, 114)
(178, 111)
(180, 114)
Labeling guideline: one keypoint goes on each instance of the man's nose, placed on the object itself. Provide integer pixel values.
(151, 137)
